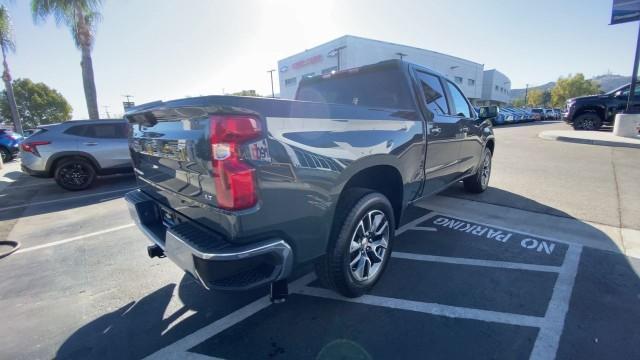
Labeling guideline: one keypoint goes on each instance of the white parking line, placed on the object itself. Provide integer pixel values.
(429, 308)
(60, 242)
(475, 262)
(65, 199)
(178, 349)
(546, 344)
(413, 223)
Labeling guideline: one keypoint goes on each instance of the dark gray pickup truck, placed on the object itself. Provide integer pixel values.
(239, 191)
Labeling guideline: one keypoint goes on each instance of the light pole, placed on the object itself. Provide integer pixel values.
(106, 110)
(401, 55)
(336, 52)
(273, 94)
(526, 93)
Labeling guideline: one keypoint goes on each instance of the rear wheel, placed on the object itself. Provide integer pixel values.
(587, 121)
(75, 174)
(5, 154)
(479, 182)
(359, 252)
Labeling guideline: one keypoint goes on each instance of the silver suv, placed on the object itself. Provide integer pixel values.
(75, 152)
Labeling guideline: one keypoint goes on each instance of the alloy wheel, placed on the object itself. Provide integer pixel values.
(486, 170)
(74, 174)
(369, 244)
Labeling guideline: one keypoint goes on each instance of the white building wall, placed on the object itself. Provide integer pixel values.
(468, 75)
(496, 87)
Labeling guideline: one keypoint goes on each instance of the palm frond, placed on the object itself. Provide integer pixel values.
(80, 16)
(6, 31)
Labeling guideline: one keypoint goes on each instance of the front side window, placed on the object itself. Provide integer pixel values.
(460, 105)
(433, 93)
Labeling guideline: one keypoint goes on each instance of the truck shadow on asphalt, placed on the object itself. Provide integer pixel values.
(601, 326)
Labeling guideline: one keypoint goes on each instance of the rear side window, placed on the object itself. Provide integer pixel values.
(99, 131)
(78, 130)
(433, 93)
(377, 88)
(459, 103)
(108, 131)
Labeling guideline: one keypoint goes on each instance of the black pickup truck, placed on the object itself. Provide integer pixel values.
(239, 191)
(591, 112)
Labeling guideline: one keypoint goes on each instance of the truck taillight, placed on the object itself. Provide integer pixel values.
(32, 146)
(234, 179)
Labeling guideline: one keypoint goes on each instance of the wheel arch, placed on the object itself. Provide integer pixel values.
(55, 159)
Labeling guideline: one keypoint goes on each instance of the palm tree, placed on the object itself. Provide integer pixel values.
(7, 45)
(81, 16)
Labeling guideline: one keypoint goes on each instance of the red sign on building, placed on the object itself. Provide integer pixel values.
(302, 63)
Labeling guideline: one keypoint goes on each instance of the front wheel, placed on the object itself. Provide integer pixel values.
(479, 182)
(587, 121)
(359, 253)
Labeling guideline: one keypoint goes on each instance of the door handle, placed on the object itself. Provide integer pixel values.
(90, 143)
(435, 130)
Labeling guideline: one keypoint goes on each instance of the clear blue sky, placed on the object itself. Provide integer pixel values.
(171, 49)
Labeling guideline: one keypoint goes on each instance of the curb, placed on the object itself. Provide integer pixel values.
(588, 141)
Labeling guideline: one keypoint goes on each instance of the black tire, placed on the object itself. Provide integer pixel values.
(587, 121)
(74, 174)
(335, 269)
(5, 154)
(479, 181)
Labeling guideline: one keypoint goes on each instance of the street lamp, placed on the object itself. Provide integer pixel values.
(273, 94)
(401, 55)
(336, 52)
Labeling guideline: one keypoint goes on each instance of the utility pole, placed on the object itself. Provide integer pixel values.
(127, 104)
(273, 94)
(336, 52)
(106, 110)
(526, 92)
(401, 55)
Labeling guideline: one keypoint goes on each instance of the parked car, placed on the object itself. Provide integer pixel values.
(238, 191)
(9, 144)
(558, 113)
(75, 152)
(591, 112)
(549, 114)
(538, 113)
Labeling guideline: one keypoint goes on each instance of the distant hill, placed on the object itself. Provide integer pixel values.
(607, 83)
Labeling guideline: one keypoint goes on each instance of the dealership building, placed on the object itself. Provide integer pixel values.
(351, 51)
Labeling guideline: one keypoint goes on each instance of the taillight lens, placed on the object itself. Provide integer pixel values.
(32, 146)
(234, 179)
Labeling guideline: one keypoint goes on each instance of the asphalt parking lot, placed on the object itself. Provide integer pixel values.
(534, 268)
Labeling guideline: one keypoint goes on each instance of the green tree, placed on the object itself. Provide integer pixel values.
(519, 102)
(546, 98)
(534, 98)
(81, 16)
(37, 104)
(7, 45)
(570, 87)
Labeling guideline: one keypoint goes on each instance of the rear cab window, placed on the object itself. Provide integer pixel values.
(377, 87)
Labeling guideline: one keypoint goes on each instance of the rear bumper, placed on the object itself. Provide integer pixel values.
(206, 255)
(32, 172)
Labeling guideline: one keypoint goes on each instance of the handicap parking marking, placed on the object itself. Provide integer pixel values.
(467, 246)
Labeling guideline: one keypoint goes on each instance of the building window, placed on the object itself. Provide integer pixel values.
(458, 79)
(471, 82)
(497, 87)
(308, 75)
(329, 70)
(290, 81)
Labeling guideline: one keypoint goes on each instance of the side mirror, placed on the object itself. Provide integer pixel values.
(488, 112)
